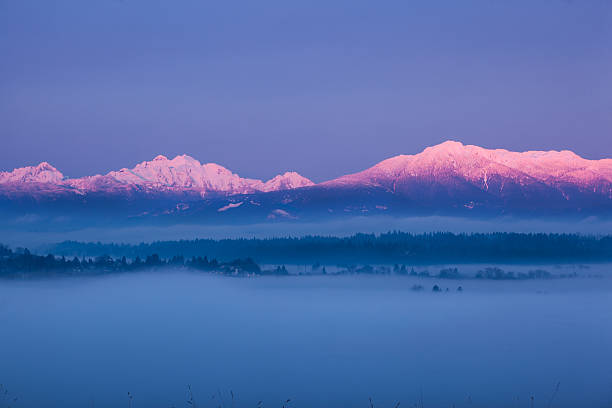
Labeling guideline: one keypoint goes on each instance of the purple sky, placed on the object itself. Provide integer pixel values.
(320, 87)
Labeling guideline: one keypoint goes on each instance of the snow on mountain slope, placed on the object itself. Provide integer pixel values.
(446, 173)
(43, 173)
(451, 161)
(554, 167)
(183, 173)
(287, 181)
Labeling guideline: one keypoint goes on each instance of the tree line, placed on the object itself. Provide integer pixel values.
(22, 262)
(389, 247)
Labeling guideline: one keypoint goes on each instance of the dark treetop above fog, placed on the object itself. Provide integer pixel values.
(383, 248)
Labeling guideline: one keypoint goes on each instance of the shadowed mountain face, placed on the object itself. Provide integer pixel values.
(447, 178)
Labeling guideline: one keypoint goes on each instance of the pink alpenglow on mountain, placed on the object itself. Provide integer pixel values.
(183, 173)
(287, 181)
(43, 173)
(448, 176)
(451, 161)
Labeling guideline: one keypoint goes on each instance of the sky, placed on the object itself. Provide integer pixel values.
(324, 88)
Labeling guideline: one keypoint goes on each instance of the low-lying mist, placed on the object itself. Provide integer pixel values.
(323, 341)
(31, 234)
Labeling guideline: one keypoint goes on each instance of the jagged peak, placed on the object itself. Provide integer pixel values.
(449, 158)
(286, 181)
(290, 174)
(447, 145)
(41, 173)
(476, 163)
(185, 172)
(215, 167)
(45, 166)
(178, 160)
(185, 159)
(457, 146)
(453, 147)
(163, 161)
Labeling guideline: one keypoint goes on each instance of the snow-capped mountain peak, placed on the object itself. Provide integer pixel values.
(182, 173)
(41, 173)
(287, 181)
(453, 160)
(450, 172)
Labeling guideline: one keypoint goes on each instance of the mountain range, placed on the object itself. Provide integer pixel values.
(446, 178)
(183, 173)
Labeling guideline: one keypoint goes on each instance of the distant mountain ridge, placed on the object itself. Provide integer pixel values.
(487, 169)
(42, 173)
(446, 178)
(161, 174)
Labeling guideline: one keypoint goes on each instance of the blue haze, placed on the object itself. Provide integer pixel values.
(321, 341)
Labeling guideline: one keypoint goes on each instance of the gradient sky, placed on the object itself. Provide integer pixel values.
(320, 87)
